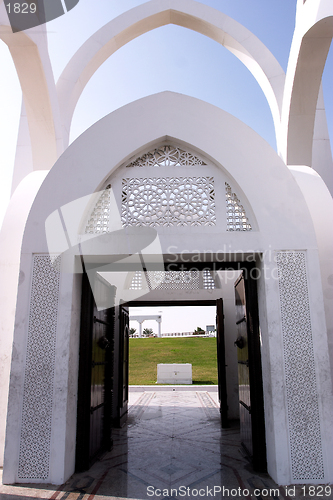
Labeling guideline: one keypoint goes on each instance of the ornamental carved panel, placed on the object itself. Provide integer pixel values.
(170, 201)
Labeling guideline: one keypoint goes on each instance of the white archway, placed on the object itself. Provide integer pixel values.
(283, 224)
(189, 14)
(308, 53)
(307, 75)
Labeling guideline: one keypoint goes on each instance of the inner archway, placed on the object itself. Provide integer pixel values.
(226, 321)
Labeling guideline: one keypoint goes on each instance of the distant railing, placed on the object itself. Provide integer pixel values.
(187, 334)
(178, 334)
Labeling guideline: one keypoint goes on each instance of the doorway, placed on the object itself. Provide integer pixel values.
(116, 361)
(188, 337)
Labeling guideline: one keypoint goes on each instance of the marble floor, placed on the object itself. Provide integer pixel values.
(171, 447)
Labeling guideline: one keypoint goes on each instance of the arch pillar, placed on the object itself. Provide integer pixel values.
(43, 136)
(304, 138)
(141, 319)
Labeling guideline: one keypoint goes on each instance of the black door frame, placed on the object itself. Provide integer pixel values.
(220, 344)
(249, 268)
(221, 366)
(170, 303)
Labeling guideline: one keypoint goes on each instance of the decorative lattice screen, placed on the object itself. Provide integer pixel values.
(300, 370)
(170, 201)
(167, 156)
(236, 215)
(173, 280)
(100, 216)
(35, 442)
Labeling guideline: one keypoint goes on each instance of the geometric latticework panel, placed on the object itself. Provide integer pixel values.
(236, 216)
(137, 281)
(98, 222)
(173, 280)
(171, 201)
(34, 455)
(299, 365)
(208, 280)
(167, 156)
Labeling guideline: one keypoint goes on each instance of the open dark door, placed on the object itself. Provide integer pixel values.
(251, 403)
(95, 374)
(123, 365)
(222, 380)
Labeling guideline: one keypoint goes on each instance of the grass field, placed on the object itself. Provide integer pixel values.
(145, 354)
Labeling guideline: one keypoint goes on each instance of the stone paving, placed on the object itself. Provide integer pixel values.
(171, 447)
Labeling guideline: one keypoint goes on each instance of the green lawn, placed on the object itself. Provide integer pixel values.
(145, 354)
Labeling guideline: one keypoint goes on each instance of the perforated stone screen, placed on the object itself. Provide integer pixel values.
(170, 201)
(299, 365)
(173, 280)
(167, 156)
(236, 216)
(100, 216)
(34, 455)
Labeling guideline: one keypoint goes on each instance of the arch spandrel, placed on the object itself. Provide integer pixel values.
(231, 144)
(188, 14)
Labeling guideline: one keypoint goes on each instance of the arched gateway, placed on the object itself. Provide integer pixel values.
(240, 203)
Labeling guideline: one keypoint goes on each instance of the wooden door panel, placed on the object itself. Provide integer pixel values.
(95, 375)
(251, 406)
(221, 373)
(123, 354)
(97, 394)
(246, 429)
(243, 369)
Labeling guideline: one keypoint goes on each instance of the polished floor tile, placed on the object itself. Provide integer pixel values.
(171, 447)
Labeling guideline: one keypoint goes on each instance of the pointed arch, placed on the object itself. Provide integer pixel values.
(151, 15)
(306, 65)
